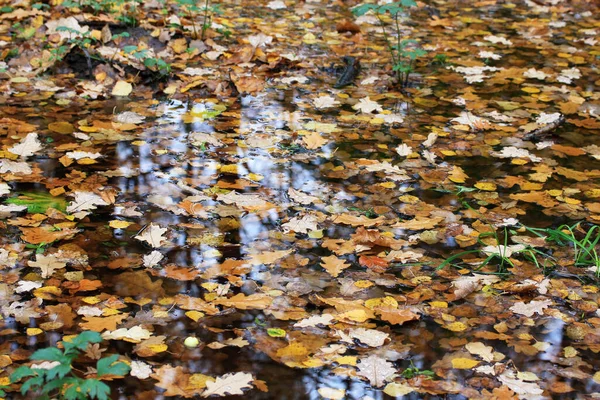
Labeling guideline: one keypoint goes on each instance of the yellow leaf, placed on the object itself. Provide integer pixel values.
(570, 352)
(464, 363)
(118, 224)
(158, 348)
(346, 360)
(62, 127)
(194, 315)
(397, 389)
(409, 199)
(122, 88)
(231, 169)
(198, 381)
(488, 186)
(91, 300)
(34, 331)
(380, 302)
(313, 363)
(439, 304)
(355, 315)
(309, 38)
(457, 175)
(456, 326)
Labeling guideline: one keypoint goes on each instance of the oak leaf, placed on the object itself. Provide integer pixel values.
(48, 264)
(27, 147)
(229, 384)
(531, 308)
(334, 265)
(153, 235)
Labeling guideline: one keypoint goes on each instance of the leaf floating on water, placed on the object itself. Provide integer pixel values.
(122, 88)
(531, 308)
(376, 369)
(229, 384)
(153, 235)
(27, 147)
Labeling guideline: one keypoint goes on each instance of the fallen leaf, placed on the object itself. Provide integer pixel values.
(376, 369)
(122, 88)
(231, 384)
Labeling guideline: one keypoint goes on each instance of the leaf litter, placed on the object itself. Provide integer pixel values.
(363, 232)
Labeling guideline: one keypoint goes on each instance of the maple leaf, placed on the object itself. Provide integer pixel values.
(153, 235)
(27, 147)
(404, 150)
(366, 105)
(232, 384)
(313, 140)
(533, 307)
(376, 369)
(325, 102)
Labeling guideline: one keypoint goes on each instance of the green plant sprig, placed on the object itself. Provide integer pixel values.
(60, 380)
(404, 52)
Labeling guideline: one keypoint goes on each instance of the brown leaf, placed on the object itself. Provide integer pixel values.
(248, 84)
(100, 324)
(46, 234)
(137, 283)
(242, 302)
(374, 263)
(334, 265)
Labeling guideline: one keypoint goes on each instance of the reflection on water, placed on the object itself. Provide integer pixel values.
(252, 190)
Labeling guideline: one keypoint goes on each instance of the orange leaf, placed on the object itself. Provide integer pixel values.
(374, 263)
